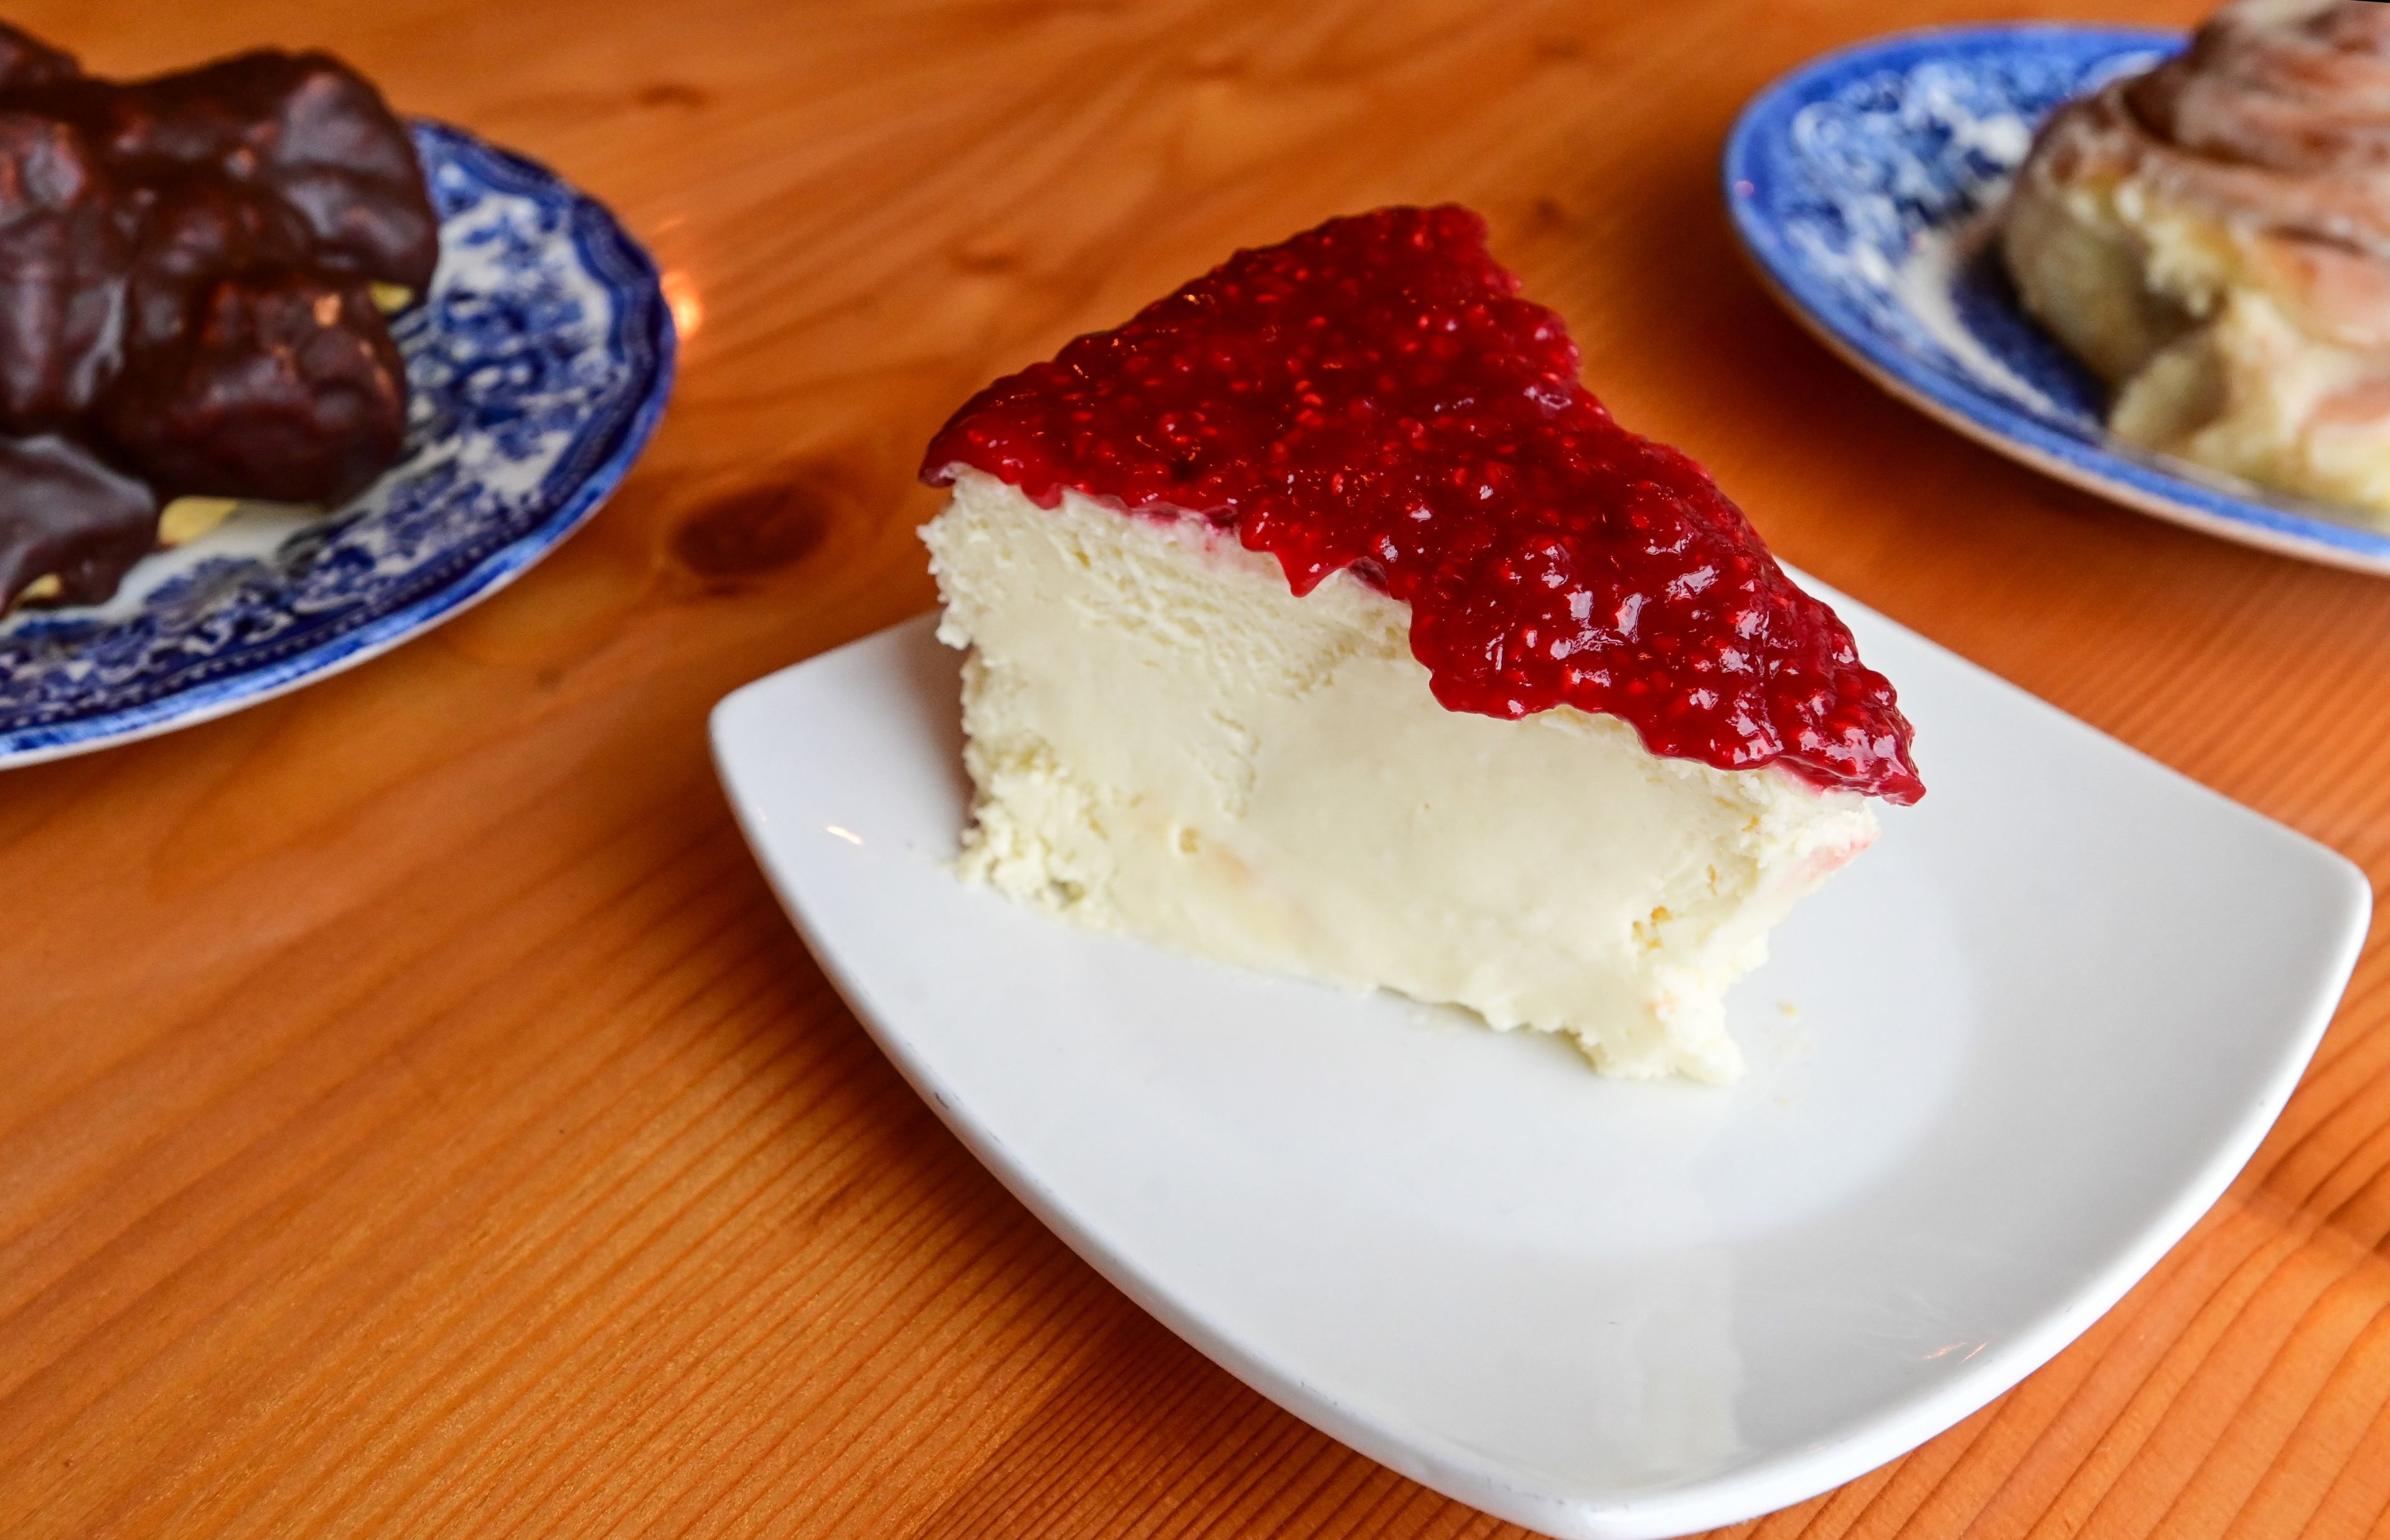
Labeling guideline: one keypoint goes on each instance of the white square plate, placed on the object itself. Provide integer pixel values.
(1998, 1068)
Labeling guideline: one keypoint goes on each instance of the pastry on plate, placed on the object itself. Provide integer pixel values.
(194, 272)
(2212, 238)
(1319, 621)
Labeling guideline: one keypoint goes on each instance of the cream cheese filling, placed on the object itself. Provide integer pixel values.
(1167, 743)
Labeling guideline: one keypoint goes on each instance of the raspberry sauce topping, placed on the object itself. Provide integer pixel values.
(1374, 394)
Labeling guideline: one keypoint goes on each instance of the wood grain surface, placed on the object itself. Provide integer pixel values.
(417, 1119)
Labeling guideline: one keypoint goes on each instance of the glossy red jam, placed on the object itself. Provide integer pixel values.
(1373, 395)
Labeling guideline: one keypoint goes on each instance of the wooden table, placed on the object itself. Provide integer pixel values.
(417, 1119)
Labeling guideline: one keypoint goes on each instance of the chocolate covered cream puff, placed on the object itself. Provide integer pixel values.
(194, 271)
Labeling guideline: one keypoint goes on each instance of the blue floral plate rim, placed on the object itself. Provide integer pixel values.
(1759, 150)
(640, 337)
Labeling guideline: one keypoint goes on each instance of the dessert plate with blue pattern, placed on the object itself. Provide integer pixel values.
(1866, 186)
(537, 366)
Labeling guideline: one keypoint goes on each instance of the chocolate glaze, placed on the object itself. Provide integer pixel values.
(63, 254)
(289, 387)
(26, 62)
(63, 511)
(184, 272)
(305, 127)
(193, 230)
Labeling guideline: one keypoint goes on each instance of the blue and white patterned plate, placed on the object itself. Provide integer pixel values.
(1864, 186)
(538, 366)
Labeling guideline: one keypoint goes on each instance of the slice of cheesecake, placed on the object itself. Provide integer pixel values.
(1320, 621)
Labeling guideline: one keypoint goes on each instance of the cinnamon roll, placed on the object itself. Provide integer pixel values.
(2213, 238)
